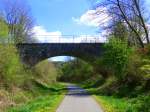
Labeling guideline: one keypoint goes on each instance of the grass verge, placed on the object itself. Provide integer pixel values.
(41, 104)
(111, 104)
(48, 101)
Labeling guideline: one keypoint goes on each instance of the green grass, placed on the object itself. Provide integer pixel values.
(41, 104)
(47, 100)
(111, 104)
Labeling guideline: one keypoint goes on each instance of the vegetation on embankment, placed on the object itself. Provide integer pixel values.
(21, 88)
(115, 104)
(41, 104)
(47, 101)
(111, 104)
(14, 73)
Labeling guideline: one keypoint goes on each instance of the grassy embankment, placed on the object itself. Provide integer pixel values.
(47, 102)
(112, 102)
(23, 89)
(111, 99)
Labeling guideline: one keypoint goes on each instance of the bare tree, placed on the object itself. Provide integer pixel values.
(18, 17)
(130, 13)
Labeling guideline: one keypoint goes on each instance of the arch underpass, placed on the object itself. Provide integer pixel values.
(33, 53)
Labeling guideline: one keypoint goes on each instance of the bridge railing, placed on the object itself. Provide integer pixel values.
(69, 39)
(58, 39)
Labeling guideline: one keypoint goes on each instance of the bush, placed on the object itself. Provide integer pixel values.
(11, 69)
(45, 73)
(116, 57)
(140, 104)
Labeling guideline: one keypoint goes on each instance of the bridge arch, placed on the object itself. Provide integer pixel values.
(33, 53)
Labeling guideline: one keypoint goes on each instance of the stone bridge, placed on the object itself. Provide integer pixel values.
(33, 53)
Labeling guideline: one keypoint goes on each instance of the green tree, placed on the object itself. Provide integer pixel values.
(45, 73)
(116, 57)
(12, 72)
(76, 71)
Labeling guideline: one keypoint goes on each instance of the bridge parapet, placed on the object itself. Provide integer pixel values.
(69, 39)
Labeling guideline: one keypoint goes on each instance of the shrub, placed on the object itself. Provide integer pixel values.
(140, 104)
(45, 73)
(11, 69)
(116, 57)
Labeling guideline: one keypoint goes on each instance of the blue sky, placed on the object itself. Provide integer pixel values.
(57, 15)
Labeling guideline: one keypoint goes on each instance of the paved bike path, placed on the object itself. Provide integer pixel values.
(77, 100)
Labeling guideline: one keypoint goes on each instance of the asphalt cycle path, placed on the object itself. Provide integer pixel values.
(77, 100)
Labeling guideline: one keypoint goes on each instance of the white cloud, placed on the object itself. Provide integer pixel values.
(39, 30)
(93, 18)
(43, 36)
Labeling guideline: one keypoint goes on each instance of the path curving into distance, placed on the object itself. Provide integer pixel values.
(77, 100)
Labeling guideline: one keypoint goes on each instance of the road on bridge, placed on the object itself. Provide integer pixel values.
(77, 100)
